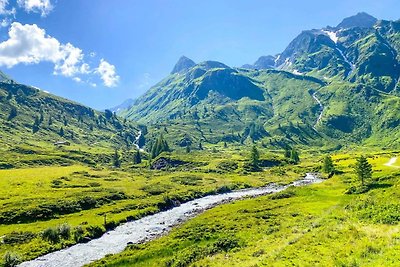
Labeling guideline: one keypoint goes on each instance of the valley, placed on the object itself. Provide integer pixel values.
(290, 161)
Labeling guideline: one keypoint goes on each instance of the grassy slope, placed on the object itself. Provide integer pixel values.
(317, 225)
(120, 193)
(82, 126)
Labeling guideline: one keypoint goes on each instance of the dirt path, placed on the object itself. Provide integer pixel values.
(391, 162)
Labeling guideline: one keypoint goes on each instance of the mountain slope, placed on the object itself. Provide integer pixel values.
(361, 20)
(328, 84)
(31, 116)
(182, 65)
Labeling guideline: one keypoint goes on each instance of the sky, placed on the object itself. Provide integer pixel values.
(101, 52)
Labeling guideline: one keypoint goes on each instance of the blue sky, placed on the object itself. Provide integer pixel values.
(101, 52)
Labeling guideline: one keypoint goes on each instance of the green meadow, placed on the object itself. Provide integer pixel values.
(317, 225)
(50, 207)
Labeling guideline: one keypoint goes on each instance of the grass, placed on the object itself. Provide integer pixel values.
(318, 225)
(38, 202)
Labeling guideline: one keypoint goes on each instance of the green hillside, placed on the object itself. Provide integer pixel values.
(351, 70)
(32, 121)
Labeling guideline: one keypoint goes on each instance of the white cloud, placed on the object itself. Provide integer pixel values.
(85, 69)
(71, 60)
(77, 79)
(107, 73)
(5, 22)
(29, 44)
(44, 7)
(4, 10)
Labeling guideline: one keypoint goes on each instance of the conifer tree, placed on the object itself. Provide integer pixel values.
(294, 156)
(328, 166)
(363, 169)
(116, 159)
(254, 160)
(137, 159)
(13, 113)
(61, 132)
(159, 146)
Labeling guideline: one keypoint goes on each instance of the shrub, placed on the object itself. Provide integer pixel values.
(51, 234)
(95, 231)
(78, 234)
(228, 166)
(65, 231)
(288, 193)
(11, 259)
(18, 237)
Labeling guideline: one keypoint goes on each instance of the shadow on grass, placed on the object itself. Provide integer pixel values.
(361, 189)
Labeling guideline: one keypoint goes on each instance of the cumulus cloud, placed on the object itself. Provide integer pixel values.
(70, 62)
(44, 7)
(29, 44)
(107, 73)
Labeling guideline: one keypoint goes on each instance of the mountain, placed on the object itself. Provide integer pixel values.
(182, 65)
(34, 117)
(329, 84)
(357, 50)
(361, 20)
(123, 106)
(264, 62)
(4, 77)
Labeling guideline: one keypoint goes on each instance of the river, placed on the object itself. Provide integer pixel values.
(149, 227)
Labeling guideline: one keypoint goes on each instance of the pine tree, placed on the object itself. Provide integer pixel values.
(200, 146)
(35, 126)
(363, 169)
(13, 113)
(254, 160)
(9, 95)
(159, 146)
(188, 148)
(137, 159)
(61, 132)
(328, 166)
(41, 118)
(294, 156)
(287, 153)
(116, 160)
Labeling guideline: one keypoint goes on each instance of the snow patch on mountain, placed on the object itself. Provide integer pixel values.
(332, 35)
(297, 72)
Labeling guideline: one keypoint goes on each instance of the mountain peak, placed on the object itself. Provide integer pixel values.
(361, 20)
(183, 65)
(4, 77)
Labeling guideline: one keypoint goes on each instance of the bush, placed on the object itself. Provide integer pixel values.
(11, 259)
(18, 237)
(228, 166)
(288, 193)
(79, 234)
(356, 190)
(51, 234)
(95, 231)
(65, 231)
